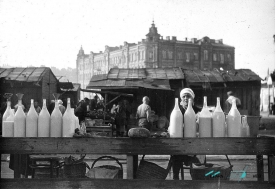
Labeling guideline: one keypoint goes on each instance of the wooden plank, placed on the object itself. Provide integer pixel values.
(132, 164)
(260, 167)
(271, 168)
(149, 146)
(125, 184)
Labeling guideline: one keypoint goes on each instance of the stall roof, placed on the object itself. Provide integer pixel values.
(29, 74)
(158, 78)
(75, 87)
(216, 76)
(141, 73)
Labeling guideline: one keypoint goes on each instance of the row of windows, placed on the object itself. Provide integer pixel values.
(187, 56)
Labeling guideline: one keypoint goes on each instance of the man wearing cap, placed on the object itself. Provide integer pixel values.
(143, 113)
(178, 160)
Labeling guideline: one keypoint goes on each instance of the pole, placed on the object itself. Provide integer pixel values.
(268, 99)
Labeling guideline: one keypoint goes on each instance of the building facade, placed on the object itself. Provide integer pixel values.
(156, 52)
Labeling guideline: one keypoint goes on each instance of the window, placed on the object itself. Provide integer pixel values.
(150, 55)
(187, 57)
(222, 58)
(164, 54)
(214, 57)
(229, 57)
(170, 54)
(179, 55)
(196, 56)
(143, 55)
(205, 55)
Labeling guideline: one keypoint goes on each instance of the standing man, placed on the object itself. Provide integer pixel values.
(143, 113)
(228, 102)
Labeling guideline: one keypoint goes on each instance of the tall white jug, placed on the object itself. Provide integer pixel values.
(176, 122)
(218, 120)
(234, 125)
(32, 122)
(44, 121)
(205, 121)
(20, 119)
(56, 122)
(190, 127)
(68, 121)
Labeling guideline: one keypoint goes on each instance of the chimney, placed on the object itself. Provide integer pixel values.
(125, 43)
(174, 38)
(168, 38)
(100, 52)
(220, 41)
(186, 39)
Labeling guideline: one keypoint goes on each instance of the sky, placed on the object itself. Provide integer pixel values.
(50, 33)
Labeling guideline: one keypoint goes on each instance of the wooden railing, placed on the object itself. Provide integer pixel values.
(133, 147)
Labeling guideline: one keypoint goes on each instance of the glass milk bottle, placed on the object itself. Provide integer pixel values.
(190, 127)
(5, 126)
(234, 126)
(245, 127)
(20, 119)
(32, 122)
(7, 112)
(205, 121)
(68, 121)
(176, 122)
(218, 120)
(56, 120)
(44, 120)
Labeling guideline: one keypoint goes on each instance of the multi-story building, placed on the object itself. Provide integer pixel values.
(156, 52)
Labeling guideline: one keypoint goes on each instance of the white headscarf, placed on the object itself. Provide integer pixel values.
(187, 90)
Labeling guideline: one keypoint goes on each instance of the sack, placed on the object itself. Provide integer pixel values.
(149, 170)
(106, 171)
(211, 171)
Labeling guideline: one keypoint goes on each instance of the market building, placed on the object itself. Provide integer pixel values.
(156, 52)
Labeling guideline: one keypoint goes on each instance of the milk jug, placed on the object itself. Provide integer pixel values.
(234, 126)
(68, 121)
(205, 121)
(56, 122)
(19, 119)
(190, 128)
(176, 122)
(44, 120)
(7, 112)
(8, 122)
(32, 122)
(218, 120)
(245, 127)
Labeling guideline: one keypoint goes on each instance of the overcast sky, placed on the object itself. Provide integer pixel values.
(50, 33)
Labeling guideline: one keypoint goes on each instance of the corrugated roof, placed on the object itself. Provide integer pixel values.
(29, 74)
(123, 83)
(214, 76)
(142, 73)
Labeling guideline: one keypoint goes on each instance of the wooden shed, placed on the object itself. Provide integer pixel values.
(34, 82)
(162, 85)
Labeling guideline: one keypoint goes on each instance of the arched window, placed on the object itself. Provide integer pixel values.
(205, 55)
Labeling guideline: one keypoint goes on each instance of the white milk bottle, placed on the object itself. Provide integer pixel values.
(7, 130)
(32, 122)
(218, 120)
(190, 127)
(20, 119)
(245, 127)
(234, 125)
(176, 122)
(56, 122)
(7, 112)
(44, 121)
(68, 121)
(205, 121)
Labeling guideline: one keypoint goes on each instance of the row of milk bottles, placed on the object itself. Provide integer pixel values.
(214, 124)
(43, 125)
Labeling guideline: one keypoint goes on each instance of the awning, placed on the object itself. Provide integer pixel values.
(123, 84)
